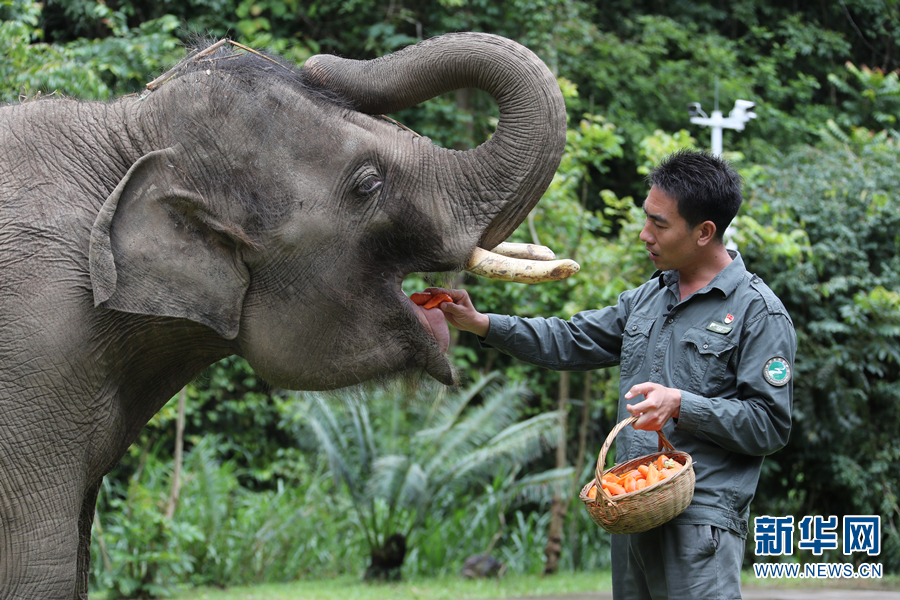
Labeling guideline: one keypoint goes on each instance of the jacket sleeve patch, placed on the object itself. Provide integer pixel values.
(777, 371)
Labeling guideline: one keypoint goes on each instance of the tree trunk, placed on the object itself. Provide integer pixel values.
(179, 449)
(579, 461)
(558, 507)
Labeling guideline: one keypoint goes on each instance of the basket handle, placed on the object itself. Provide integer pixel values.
(664, 444)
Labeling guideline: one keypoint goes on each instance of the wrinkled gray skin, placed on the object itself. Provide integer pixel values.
(230, 211)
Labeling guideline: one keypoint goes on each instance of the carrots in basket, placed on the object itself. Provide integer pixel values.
(637, 479)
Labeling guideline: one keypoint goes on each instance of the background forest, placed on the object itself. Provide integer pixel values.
(237, 482)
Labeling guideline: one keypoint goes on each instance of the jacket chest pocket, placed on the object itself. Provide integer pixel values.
(703, 362)
(634, 344)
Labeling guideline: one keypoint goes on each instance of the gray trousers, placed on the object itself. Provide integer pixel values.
(677, 562)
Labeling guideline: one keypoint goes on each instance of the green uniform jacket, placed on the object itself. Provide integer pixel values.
(729, 348)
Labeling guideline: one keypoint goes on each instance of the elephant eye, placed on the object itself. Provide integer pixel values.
(369, 185)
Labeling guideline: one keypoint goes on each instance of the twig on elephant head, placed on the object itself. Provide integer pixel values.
(398, 124)
(197, 56)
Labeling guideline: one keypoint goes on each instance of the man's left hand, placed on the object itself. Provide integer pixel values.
(659, 404)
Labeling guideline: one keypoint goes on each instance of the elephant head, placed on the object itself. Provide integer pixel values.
(273, 206)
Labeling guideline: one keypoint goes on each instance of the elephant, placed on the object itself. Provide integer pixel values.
(241, 205)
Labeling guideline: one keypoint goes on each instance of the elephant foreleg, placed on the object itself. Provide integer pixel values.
(39, 535)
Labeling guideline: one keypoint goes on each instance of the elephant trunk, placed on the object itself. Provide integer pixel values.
(512, 169)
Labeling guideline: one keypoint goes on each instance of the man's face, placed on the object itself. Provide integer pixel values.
(671, 244)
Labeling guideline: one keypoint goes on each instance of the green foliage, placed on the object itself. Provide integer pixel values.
(229, 401)
(277, 534)
(95, 69)
(653, 148)
(873, 98)
(222, 534)
(141, 551)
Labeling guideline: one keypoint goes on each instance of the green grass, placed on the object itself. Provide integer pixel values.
(439, 588)
(452, 587)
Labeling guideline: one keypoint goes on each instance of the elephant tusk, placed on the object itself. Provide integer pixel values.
(504, 268)
(529, 251)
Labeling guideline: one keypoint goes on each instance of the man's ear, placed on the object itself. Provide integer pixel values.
(157, 250)
(705, 233)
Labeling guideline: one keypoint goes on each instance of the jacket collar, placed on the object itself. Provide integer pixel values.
(726, 280)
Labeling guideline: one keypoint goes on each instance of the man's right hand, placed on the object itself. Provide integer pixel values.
(461, 312)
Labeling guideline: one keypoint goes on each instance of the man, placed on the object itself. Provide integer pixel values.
(705, 351)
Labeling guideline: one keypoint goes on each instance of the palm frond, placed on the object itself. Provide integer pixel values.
(396, 478)
(480, 424)
(329, 435)
(541, 487)
(362, 431)
(519, 442)
(387, 476)
(448, 409)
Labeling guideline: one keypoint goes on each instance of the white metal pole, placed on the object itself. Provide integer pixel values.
(716, 129)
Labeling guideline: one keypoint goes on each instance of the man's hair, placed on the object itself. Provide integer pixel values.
(704, 186)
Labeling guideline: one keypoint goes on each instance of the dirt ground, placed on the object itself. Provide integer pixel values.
(760, 593)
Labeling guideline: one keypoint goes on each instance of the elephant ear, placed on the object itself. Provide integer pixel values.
(156, 249)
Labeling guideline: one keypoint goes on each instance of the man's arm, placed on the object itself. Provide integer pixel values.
(589, 340)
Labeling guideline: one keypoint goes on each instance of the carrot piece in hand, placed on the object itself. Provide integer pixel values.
(437, 299)
(420, 298)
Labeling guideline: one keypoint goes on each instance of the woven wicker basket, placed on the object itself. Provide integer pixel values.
(644, 509)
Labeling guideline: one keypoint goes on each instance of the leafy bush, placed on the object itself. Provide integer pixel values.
(279, 534)
(222, 534)
(138, 553)
(92, 69)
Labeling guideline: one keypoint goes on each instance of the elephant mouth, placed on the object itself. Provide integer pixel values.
(521, 263)
(433, 358)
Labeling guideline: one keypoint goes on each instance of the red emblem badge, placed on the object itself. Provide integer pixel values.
(729, 318)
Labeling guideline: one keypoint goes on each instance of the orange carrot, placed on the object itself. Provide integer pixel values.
(437, 299)
(633, 474)
(641, 484)
(420, 298)
(644, 469)
(652, 475)
(662, 459)
(614, 489)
